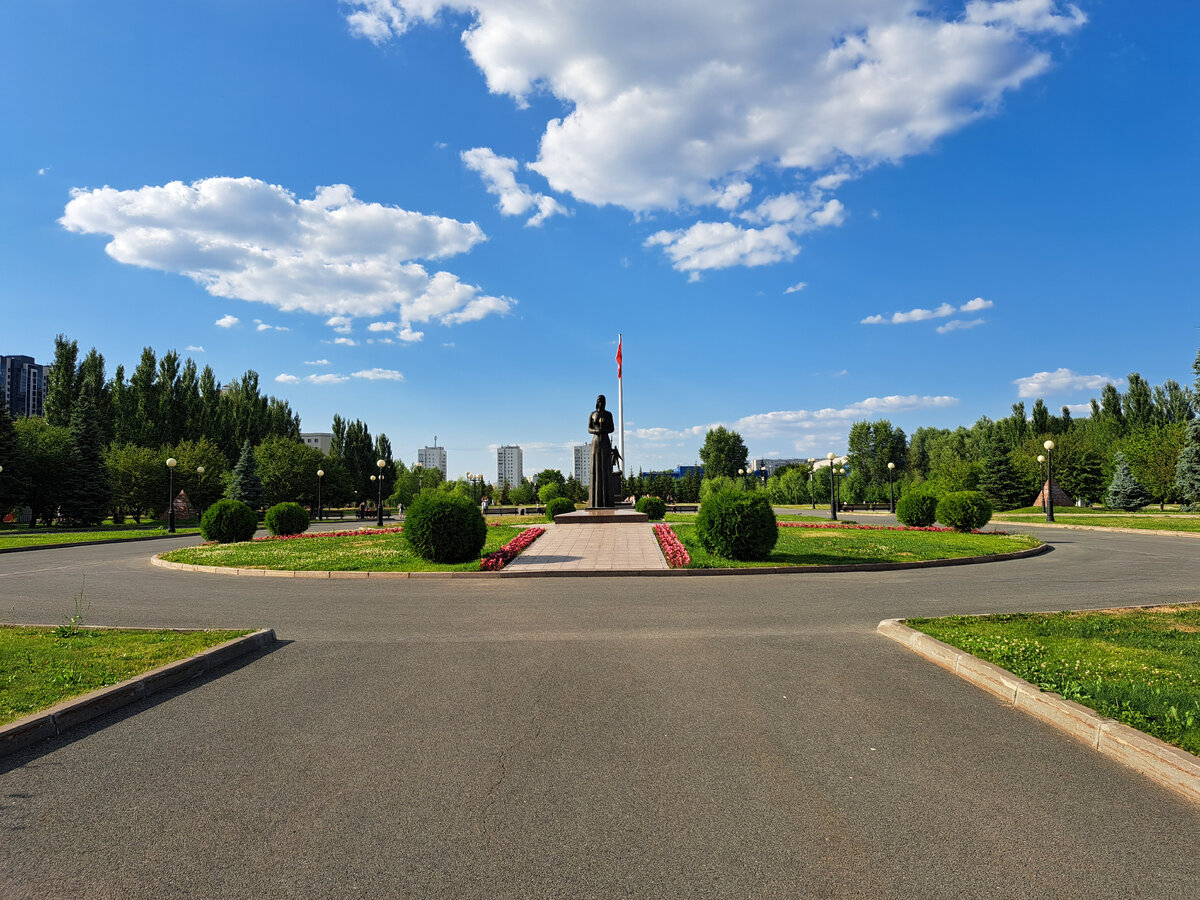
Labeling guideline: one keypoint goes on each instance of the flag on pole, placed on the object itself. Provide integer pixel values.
(618, 358)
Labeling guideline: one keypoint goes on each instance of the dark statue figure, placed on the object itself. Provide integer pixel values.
(600, 426)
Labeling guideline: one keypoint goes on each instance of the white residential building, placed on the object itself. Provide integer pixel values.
(583, 464)
(319, 440)
(771, 463)
(432, 457)
(508, 466)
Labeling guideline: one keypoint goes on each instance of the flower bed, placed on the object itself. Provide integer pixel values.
(850, 527)
(498, 559)
(676, 554)
(357, 532)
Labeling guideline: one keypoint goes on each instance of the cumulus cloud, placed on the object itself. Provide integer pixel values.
(333, 255)
(328, 378)
(345, 342)
(340, 324)
(316, 362)
(499, 177)
(284, 378)
(260, 325)
(719, 245)
(943, 311)
(194, 348)
(976, 305)
(378, 374)
(741, 91)
(226, 321)
(1061, 381)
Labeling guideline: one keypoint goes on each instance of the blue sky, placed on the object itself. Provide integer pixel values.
(436, 217)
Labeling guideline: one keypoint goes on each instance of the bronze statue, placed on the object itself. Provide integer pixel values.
(600, 425)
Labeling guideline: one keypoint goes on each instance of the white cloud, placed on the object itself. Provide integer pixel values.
(193, 348)
(499, 177)
(43, 170)
(958, 325)
(798, 286)
(227, 321)
(333, 255)
(913, 315)
(328, 378)
(818, 91)
(719, 245)
(1061, 381)
(316, 362)
(345, 342)
(340, 324)
(263, 326)
(378, 374)
(284, 378)
(976, 305)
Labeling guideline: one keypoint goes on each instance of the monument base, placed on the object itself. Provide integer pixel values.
(601, 517)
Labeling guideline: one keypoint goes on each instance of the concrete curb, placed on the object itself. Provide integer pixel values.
(1169, 766)
(38, 726)
(614, 573)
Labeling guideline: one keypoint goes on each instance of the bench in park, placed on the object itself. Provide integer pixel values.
(865, 507)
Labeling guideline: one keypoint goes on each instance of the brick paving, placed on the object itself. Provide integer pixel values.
(591, 548)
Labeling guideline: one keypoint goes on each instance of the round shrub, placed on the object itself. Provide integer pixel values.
(558, 505)
(445, 528)
(737, 525)
(917, 509)
(287, 518)
(654, 507)
(228, 522)
(964, 510)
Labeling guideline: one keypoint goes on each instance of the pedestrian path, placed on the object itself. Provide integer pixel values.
(591, 548)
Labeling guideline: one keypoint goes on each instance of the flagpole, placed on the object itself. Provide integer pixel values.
(621, 404)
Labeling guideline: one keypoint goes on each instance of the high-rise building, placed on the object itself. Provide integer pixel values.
(432, 457)
(23, 385)
(508, 466)
(583, 464)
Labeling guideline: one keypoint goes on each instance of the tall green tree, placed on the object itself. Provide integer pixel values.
(1152, 452)
(288, 470)
(1040, 417)
(13, 486)
(202, 489)
(383, 450)
(871, 446)
(999, 480)
(723, 453)
(87, 497)
(137, 477)
(140, 414)
(244, 484)
(1124, 492)
(45, 451)
(1138, 402)
(61, 383)
(1187, 466)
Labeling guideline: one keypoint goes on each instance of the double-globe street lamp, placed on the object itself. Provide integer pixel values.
(379, 463)
(1048, 491)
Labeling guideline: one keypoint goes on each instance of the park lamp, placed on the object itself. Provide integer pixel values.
(892, 487)
(379, 463)
(832, 505)
(320, 475)
(171, 463)
(1049, 445)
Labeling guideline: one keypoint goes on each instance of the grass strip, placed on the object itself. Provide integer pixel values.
(1182, 523)
(10, 539)
(851, 546)
(1138, 666)
(346, 553)
(40, 667)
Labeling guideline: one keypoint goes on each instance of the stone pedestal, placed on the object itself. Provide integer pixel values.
(601, 517)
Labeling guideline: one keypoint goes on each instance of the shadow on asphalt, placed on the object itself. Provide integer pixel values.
(79, 732)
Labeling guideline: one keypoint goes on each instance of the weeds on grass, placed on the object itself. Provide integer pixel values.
(72, 621)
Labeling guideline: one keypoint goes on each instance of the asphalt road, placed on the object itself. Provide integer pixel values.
(746, 736)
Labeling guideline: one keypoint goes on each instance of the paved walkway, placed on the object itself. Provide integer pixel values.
(591, 548)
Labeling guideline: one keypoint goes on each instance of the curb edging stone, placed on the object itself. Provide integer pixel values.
(1169, 766)
(47, 723)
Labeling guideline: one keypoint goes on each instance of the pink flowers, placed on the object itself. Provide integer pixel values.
(676, 554)
(320, 534)
(849, 527)
(498, 559)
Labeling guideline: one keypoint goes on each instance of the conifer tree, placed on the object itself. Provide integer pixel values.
(87, 498)
(1124, 491)
(1187, 466)
(1000, 481)
(245, 484)
(61, 386)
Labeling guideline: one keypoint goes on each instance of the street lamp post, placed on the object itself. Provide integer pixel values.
(742, 477)
(892, 487)
(200, 484)
(1049, 445)
(379, 463)
(171, 495)
(832, 502)
(320, 475)
(841, 477)
(812, 491)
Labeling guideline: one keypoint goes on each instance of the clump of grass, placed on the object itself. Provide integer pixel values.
(1140, 667)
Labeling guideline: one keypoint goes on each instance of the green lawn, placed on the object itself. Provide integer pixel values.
(366, 553)
(1069, 515)
(1140, 667)
(23, 536)
(43, 666)
(835, 547)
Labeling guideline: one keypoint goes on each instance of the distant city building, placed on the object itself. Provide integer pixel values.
(23, 385)
(432, 457)
(508, 466)
(319, 439)
(583, 463)
(821, 461)
(773, 463)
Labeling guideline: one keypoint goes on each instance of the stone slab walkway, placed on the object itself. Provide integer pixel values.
(591, 548)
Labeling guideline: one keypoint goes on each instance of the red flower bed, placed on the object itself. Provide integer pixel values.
(498, 559)
(317, 534)
(849, 527)
(676, 554)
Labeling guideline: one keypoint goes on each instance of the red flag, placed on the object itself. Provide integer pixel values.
(618, 358)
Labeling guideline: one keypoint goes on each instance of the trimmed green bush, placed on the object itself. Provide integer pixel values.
(558, 505)
(737, 525)
(287, 518)
(228, 522)
(917, 509)
(654, 507)
(445, 528)
(964, 510)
